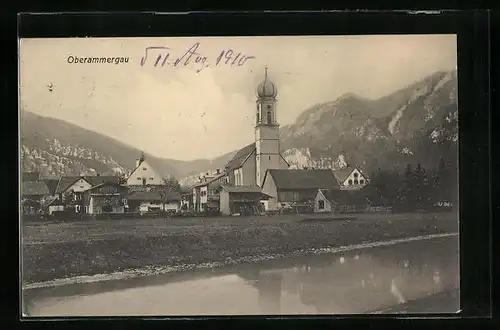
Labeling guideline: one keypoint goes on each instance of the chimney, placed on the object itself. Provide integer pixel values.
(98, 174)
(218, 171)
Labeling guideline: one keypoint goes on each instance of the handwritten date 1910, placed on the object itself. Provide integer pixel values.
(230, 59)
(192, 56)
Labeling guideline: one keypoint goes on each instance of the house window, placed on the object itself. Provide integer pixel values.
(362, 181)
(144, 169)
(355, 175)
(350, 182)
(150, 178)
(81, 187)
(144, 181)
(356, 181)
(321, 204)
(138, 178)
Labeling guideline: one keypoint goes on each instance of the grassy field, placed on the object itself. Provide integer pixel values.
(59, 250)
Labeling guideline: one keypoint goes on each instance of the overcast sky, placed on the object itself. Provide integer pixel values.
(159, 109)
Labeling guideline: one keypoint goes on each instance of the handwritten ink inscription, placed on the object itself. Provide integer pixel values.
(160, 56)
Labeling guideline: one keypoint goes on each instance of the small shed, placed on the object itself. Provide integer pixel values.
(241, 200)
(340, 201)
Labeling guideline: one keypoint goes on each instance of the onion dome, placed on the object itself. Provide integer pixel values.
(267, 88)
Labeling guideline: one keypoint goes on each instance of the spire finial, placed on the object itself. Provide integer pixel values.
(265, 68)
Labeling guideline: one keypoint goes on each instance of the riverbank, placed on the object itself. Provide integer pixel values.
(61, 251)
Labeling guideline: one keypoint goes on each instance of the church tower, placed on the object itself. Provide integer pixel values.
(267, 141)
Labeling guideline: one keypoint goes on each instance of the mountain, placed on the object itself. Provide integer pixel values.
(55, 147)
(416, 124)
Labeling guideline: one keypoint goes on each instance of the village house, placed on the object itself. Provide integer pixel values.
(294, 188)
(350, 178)
(206, 193)
(144, 201)
(70, 189)
(144, 175)
(105, 197)
(340, 201)
(148, 190)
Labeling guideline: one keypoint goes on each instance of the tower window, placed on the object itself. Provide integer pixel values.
(269, 117)
(258, 117)
(269, 107)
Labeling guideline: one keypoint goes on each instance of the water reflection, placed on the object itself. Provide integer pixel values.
(348, 283)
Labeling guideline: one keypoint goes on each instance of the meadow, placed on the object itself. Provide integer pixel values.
(60, 250)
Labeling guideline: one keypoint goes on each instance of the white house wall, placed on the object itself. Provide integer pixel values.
(269, 188)
(144, 171)
(352, 177)
(80, 186)
(321, 197)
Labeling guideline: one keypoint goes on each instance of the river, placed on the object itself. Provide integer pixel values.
(358, 281)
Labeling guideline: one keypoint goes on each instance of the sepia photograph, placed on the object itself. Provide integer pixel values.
(216, 176)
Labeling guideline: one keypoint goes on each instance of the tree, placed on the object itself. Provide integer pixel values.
(171, 185)
(421, 187)
(68, 197)
(405, 195)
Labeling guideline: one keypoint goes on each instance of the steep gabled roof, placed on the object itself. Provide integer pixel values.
(114, 184)
(342, 174)
(240, 157)
(213, 182)
(346, 197)
(66, 181)
(140, 164)
(51, 184)
(30, 176)
(303, 179)
(241, 189)
(99, 179)
(34, 188)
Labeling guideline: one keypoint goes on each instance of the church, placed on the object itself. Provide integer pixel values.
(241, 187)
(249, 165)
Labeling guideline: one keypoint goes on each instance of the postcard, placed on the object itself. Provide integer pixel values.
(277, 175)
